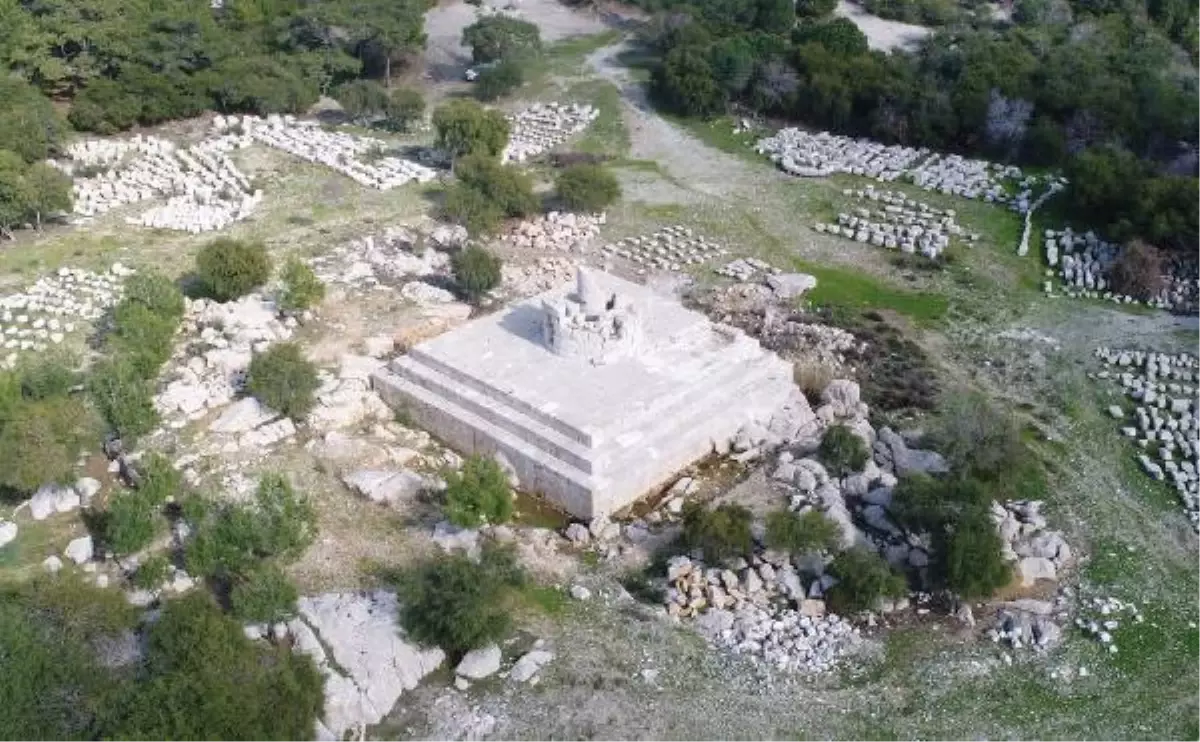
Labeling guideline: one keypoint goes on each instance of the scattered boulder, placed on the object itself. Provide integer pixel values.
(479, 663)
(529, 665)
(80, 550)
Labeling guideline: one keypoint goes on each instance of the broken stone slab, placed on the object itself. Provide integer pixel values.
(80, 550)
(8, 532)
(382, 485)
(529, 665)
(242, 416)
(1032, 569)
(791, 285)
(479, 663)
(51, 499)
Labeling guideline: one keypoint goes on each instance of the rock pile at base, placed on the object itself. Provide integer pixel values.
(542, 126)
(759, 608)
(1084, 263)
(1035, 552)
(560, 231)
(1162, 418)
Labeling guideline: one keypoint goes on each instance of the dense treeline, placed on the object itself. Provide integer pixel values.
(1108, 99)
(123, 64)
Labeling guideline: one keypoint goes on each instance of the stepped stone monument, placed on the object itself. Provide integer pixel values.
(595, 392)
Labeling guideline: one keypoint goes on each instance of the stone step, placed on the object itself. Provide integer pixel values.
(581, 437)
(496, 410)
(462, 429)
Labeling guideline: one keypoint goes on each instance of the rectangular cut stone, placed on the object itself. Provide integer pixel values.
(591, 438)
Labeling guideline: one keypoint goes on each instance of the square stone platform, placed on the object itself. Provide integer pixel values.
(590, 438)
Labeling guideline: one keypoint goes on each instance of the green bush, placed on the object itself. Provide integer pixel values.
(476, 271)
(263, 595)
(105, 107)
(405, 107)
(981, 442)
(142, 338)
(496, 37)
(796, 533)
(301, 287)
(130, 523)
(231, 540)
(228, 268)
(470, 208)
(457, 604)
(863, 578)
(151, 573)
(259, 85)
(41, 442)
(284, 380)
(499, 80)
(971, 557)
(160, 479)
(478, 494)
(156, 292)
(46, 377)
(203, 679)
(464, 127)
(504, 185)
(124, 398)
(842, 451)
(587, 188)
(721, 533)
(815, 8)
(362, 100)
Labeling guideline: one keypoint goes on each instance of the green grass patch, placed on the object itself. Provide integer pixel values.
(567, 57)
(552, 601)
(607, 135)
(842, 290)
(718, 133)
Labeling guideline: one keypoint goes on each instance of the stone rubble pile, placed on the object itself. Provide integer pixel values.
(1104, 618)
(208, 370)
(805, 154)
(534, 278)
(746, 269)
(562, 231)
(1029, 623)
(56, 306)
(903, 223)
(395, 255)
(349, 154)
(1084, 262)
(1035, 552)
(670, 248)
(1164, 421)
(203, 188)
(823, 154)
(543, 126)
(759, 608)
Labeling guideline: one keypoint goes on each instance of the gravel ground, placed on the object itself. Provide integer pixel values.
(882, 34)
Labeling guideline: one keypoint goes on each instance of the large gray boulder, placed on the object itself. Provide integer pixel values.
(479, 663)
(385, 486)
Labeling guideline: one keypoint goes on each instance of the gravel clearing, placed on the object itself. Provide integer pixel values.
(882, 34)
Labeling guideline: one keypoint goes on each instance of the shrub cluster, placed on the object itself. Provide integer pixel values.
(284, 380)
(240, 549)
(44, 425)
(863, 578)
(720, 533)
(301, 288)
(464, 127)
(799, 533)
(842, 451)
(458, 604)
(133, 518)
(368, 102)
(587, 188)
(476, 271)
(487, 192)
(228, 269)
(478, 494)
(140, 340)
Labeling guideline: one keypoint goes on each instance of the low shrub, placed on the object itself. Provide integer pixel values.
(404, 107)
(842, 451)
(478, 494)
(159, 479)
(284, 380)
(506, 186)
(798, 533)
(469, 208)
(476, 271)
(231, 540)
(458, 604)
(46, 377)
(499, 80)
(301, 287)
(970, 557)
(982, 442)
(720, 533)
(1138, 271)
(228, 269)
(587, 188)
(142, 337)
(263, 595)
(863, 579)
(156, 292)
(124, 398)
(41, 441)
(812, 376)
(151, 573)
